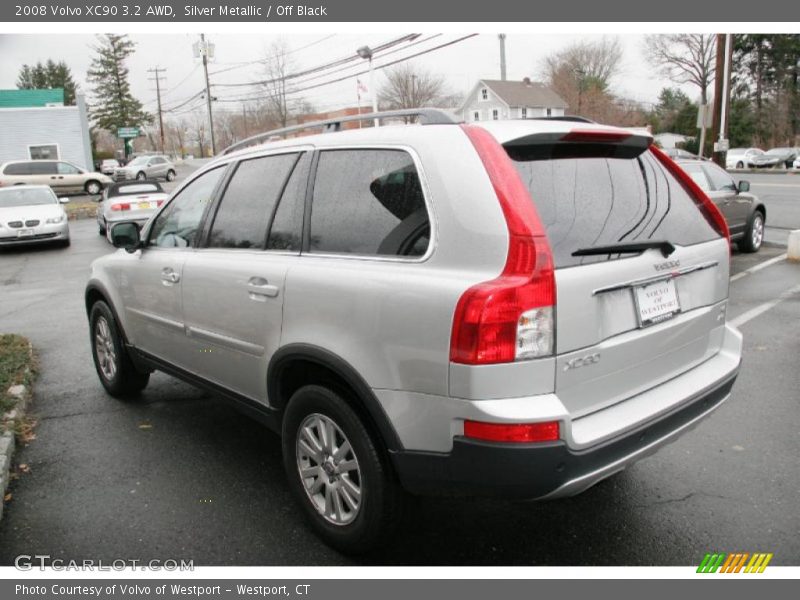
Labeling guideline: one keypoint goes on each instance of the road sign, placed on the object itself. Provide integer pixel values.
(722, 146)
(704, 116)
(127, 132)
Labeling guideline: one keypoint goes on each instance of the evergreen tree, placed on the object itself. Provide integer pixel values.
(113, 104)
(49, 75)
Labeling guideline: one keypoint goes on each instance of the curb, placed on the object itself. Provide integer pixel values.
(7, 435)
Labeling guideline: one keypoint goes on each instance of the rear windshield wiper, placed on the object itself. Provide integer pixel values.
(628, 247)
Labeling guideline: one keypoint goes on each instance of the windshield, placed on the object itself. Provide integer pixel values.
(26, 197)
(139, 160)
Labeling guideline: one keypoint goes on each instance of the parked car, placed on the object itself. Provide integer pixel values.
(776, 157)
(133, 201)
(741, 158)
(62, 176)
(744, 213)
(109, 165)
(146, 167)
(796, 163)
(32, 214)
(512, 308)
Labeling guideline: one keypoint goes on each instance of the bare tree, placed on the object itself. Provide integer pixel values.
(592, 64)
(684, 58)
(278, 68)
(409, 86)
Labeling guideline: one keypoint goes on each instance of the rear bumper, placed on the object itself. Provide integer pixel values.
(564, 468)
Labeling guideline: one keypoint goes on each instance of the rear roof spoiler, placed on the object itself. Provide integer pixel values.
(581, 142)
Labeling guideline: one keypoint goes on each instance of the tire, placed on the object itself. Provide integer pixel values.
(111, 360)
(356, 523)
(65, 243)
(740, 165)
(93, 188)
(754, 234)
(101, 229)
(170, 175)
(141, 175)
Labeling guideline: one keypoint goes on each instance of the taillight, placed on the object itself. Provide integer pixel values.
(159, 202)
(512, 432)
(701, 199)
(596, 136)
(511, 317)
(120, 206)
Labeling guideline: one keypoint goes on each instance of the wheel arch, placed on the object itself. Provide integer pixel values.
(296, 365)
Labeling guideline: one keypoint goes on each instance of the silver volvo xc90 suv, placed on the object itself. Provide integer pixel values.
(517, 308)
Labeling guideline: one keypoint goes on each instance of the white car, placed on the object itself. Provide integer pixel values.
(108, 166)
(741, 158)
(32, 214)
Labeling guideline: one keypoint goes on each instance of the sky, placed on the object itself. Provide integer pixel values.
(461, 64)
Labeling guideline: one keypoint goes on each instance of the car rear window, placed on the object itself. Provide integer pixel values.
(586, 202)
(137, 188)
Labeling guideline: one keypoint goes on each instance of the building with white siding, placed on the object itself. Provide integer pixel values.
(32, 129)
(492, 100)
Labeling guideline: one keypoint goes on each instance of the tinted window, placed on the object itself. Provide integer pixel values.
(249, 202)
(587, 202)
(720, 180)
(176, 226)
(286, 232)
(368, 202)
(18, 169)
(42, 167)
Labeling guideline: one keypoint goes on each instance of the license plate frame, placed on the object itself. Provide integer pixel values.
(23, 233)
(656, 302)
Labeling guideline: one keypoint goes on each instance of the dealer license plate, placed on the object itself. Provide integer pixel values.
(656, 302)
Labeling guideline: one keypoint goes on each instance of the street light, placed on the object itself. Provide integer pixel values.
(365, 52)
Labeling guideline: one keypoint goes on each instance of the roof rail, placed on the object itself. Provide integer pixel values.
(575, 118)
(426, 116)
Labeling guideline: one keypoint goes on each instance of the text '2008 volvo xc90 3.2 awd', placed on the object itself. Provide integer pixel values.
(518, 308)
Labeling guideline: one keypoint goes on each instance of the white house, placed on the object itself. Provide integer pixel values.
(493, 99)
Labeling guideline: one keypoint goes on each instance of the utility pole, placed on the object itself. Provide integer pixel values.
(204, 49)
(502, 38)
(721, 97)
(244, 118)
(157, 78)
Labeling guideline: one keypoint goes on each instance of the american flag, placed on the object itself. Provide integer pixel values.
(360, 87)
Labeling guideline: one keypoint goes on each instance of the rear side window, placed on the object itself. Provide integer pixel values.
(250, 201)
(368, 202)
(586, 202)
(43, 167)
(17, 169)
(720, 180)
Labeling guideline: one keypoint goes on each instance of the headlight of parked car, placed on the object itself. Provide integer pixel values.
(54, 220)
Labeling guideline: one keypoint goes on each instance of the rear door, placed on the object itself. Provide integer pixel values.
(45, 172)
(625, 321)
(233, 287)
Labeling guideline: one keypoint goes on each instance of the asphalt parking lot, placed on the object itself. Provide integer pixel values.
(181, 475)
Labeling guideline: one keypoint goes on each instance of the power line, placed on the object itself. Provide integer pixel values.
(242, 65)
(363, 72)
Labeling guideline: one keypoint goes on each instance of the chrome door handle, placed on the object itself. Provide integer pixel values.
(169, 276)
(258, 286)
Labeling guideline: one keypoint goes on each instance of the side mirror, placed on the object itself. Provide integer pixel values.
(63, 200)
(744, 186)
(126, 235)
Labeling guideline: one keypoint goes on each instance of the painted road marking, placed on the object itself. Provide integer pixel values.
(762, 308)
(758, 267)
